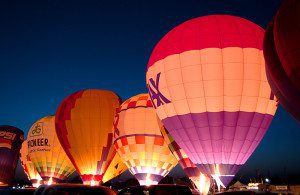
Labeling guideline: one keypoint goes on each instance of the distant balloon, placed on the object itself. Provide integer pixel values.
(115, 166)
(138, 141)
(201, 180)
(282, 51)
(207, 81)
(11, 139)
(46, 153)
(28, 166)
(84, 125)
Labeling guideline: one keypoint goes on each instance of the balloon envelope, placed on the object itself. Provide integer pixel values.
(279, 81)
(84, 125)
(139, 142)
(281, 51)
(46, 153)
(28, 166)
(11, 139)
(207, 81)
(287, 39)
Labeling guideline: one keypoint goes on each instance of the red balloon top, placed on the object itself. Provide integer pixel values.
(213, 31)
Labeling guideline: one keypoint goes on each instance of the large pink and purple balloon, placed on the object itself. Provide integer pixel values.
(207, 81)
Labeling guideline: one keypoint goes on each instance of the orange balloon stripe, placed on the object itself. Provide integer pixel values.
(209, 80)
(135, 102)
(147, 154)
(140, 139)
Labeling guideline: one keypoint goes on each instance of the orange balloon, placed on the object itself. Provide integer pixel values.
(139, 142)
(84, 123)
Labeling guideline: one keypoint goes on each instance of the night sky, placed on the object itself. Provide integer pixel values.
(49, 49)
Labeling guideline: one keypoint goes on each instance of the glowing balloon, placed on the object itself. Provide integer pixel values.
(139, 142)
(11, 139)
(201, 180)
(46, 153)
(115, 166)
(28, 166)
(279, 81)
(287, 39)
(281, 50)
(84, 125)
(207, 81)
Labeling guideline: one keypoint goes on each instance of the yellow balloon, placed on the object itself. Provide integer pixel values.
(46, 153)
(115, 166)
(28, 166)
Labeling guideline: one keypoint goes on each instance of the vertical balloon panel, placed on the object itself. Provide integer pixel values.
(11, 139)
(139, 142)
(207, 81)
(84, 123)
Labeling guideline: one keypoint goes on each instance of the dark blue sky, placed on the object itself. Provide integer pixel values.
(49, 49)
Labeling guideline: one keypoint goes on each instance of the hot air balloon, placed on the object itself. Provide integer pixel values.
(281, 51)
(84, 125)
(207, 81)
(138, 141)
(11, 139)
(115, 166)
(201, 180)
(46, 153)
(28, 166)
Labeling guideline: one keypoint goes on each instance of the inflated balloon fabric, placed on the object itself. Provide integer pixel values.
(207, 81)
(139, 142)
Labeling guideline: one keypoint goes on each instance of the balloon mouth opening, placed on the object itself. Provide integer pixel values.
(149, 181)
(222, 180)
(50, 181)
(92, 183)
(36, 182)
(92, 180)
(203, 184)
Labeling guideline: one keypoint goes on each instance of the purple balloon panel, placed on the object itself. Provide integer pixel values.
(218, 137)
